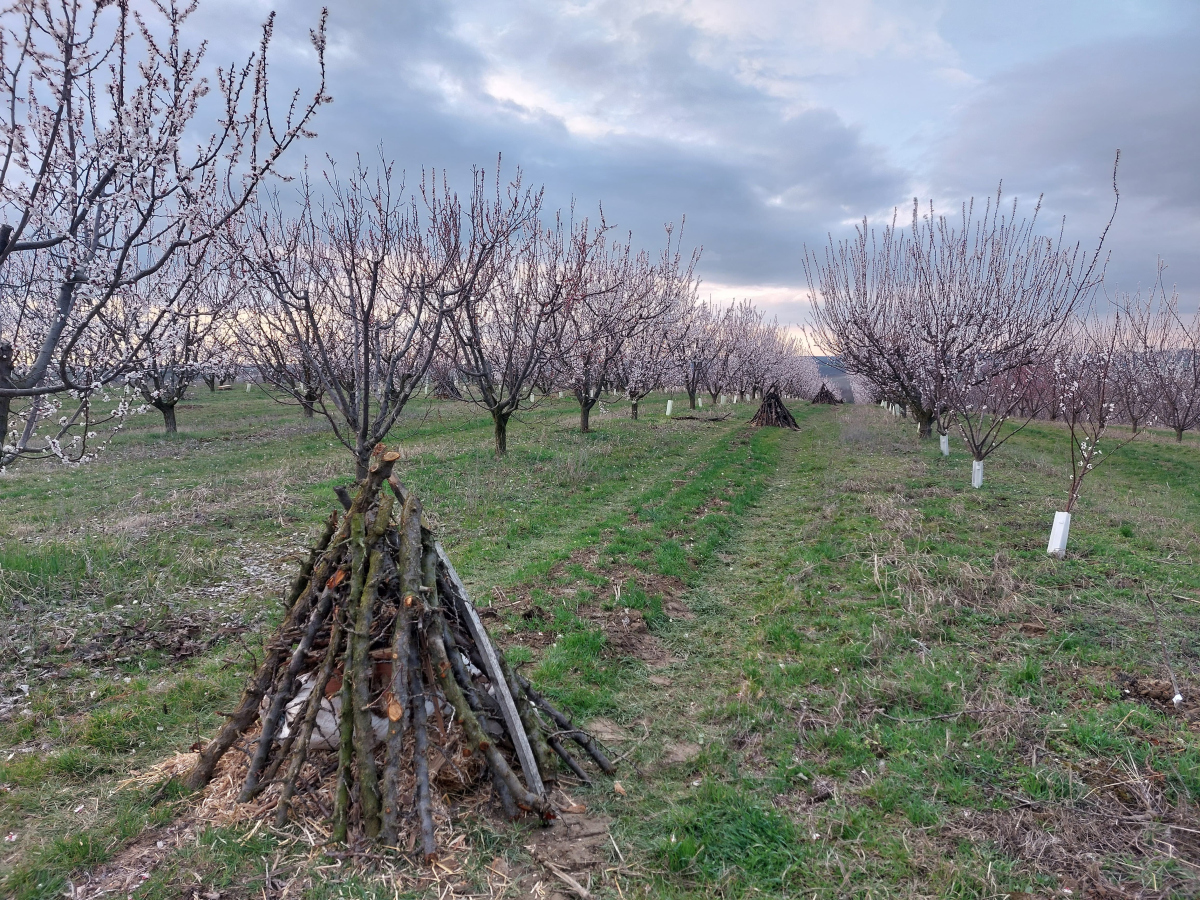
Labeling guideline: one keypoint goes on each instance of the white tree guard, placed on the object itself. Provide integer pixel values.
(977, 473)
(670, 406)
(944, 441)
(1058, 535)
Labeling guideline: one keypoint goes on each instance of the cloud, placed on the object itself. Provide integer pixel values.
(1054, 126)
(770, 123)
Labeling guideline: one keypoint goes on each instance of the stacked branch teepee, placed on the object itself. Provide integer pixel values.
(379, 623)
(773, 412)
(825, 396)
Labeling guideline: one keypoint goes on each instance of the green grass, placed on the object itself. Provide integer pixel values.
(895, 692)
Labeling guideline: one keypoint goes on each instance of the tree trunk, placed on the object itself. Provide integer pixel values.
(692, 399)
(500, 424)
(1178, 435)
(585, 411)
(307, 404)
(211, 381)
(5, 406)
(168, 413)
(6, 368)
(633, 410)
(924, 424)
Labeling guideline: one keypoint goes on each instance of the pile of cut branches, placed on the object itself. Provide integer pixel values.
(825, 395)
(379, 623)
(773, 412)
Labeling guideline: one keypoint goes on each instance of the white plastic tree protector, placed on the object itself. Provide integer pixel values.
(977, 473)
(944, 441)
(560, 395)
(1058, 535)
(700, 403)
(670, 406)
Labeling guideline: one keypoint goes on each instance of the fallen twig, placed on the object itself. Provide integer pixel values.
(953, 715)
(569, 881)
(635, 746)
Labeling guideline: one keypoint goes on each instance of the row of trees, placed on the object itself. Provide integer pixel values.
(369, 291)
(350, 295)
(982, 323)
(112, 202)
(134, 261)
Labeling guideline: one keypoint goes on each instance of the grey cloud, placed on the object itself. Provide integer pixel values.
(754, 182)
(758, 173)
(1054, 127)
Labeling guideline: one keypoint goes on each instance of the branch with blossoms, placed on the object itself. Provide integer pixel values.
(1088, 405)
(616, 297)
(647, 360)
(503, 337)
(1164, 347)
(99, 190)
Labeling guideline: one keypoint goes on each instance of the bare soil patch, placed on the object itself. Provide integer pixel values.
(129, 869)
(1159, 694)
(625, 628)
(628, 636)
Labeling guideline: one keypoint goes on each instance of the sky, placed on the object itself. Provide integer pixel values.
(774, 125)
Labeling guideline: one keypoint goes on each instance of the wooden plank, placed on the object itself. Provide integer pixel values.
(508, 706)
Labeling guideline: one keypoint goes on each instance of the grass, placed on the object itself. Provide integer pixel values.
(861, 677)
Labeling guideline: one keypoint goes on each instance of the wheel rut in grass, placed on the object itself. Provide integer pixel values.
(626, 573)
(864, 730)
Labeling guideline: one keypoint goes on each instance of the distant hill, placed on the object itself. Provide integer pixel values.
(835, 376)
(826, 367)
